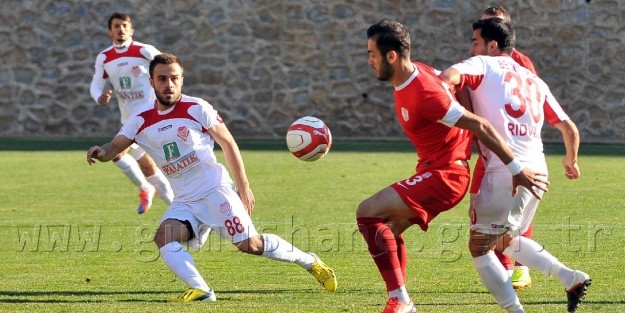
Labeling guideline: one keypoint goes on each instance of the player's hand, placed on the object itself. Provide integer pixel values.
(95, 153)
(531, 180)
(105, 97)
(247, 197)
(571, 169)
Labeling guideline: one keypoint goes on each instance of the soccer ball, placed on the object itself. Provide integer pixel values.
(308, 138)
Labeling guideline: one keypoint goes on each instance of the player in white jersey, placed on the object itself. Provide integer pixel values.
(516, 102)
(179, 132)
(125, 65)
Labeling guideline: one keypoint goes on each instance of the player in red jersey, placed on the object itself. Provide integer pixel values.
(438, 127)
(124, 64)
(520, 273)
(517, 103)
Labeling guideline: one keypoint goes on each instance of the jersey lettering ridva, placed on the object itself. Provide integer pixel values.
(517, 111)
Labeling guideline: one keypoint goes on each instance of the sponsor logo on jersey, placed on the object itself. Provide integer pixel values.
(225, 208)
(524, 129)
(404, 114)
(171, 151)
(165, 128)
(136, 71)
(125, 82)
(122, 64)
(131, 95)
(181, 165)
(183, 133)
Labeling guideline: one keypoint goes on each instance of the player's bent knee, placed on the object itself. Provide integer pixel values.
(252, 245)
(169, 231)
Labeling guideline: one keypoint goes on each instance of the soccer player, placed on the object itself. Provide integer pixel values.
(520, 273)
(179, 132)
(517, 103)
(125, 65)
(436, 125)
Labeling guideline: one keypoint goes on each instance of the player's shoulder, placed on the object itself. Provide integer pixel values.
(147, 47)
(106, 51)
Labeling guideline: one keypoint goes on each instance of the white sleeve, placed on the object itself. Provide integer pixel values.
(149, 52)
(131, 127)
(98, 81)
(455, 112)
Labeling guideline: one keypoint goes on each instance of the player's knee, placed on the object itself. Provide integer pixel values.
(365, 209)
(170, 231)
(252, 245)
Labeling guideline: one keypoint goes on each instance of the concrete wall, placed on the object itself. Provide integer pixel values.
(264, 63)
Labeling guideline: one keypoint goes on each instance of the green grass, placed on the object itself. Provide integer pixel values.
(63, 221)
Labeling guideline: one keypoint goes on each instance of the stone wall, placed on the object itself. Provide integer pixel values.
(264, 63)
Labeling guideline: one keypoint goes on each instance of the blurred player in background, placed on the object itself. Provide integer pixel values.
(436, 125)
(125, 65)
(517, 103)
(180, 133)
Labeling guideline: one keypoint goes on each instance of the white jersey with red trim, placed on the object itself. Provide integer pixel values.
(515, 101)
(126, 66)
(178, 141)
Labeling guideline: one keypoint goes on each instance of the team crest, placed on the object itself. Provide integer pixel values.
(136, 71)
(183, 133)
(225, 208)
(404, 114)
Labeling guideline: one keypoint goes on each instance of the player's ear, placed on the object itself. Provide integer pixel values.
(152, 83)
(391, 56)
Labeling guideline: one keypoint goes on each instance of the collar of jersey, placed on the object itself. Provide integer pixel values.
(410, 79)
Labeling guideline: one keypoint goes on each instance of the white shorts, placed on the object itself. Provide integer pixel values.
(222, 211)
(136, 152)
(494, 211)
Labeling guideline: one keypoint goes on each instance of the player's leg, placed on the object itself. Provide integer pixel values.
(152, 174)
(229, 218)
(178, 226)
(373, 216)
(532, 254)
(491, 216)
(129, 166)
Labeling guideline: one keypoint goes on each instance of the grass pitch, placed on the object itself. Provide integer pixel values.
(71, 240)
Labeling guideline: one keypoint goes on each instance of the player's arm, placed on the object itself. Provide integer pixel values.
(487, 135)
(98, 82)
(570, 135)
(108, 151)
(232, 154)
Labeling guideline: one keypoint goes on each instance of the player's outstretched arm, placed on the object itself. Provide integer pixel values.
(487, 135)
(108, 151)
(232, 154)
(570, 135)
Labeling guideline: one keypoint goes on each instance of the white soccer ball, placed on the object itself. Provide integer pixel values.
(309, 138)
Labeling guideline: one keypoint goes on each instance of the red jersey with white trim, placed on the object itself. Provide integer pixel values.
(127, 68)
(178, 141)
(427, 113)
(515, 101)
(523, 60)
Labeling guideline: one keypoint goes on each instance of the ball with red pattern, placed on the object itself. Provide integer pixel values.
(309, 138)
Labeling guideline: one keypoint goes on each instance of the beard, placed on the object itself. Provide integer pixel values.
(168, 102)
(386, 71)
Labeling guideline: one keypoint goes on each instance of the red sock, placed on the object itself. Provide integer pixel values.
(383, 249)
(505, 260)
(402, 255)
(526, 234)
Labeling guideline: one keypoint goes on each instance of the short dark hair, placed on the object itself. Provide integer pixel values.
(498, 30)
(390, 36)
(121, 16)
(164, 58)
(498, 10)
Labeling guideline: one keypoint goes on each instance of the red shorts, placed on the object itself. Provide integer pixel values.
(433, 191)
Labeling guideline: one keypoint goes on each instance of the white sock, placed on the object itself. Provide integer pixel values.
(401, 294)
(279, 249)
(496, 279)
(163, 189)
(529, 253)
(131, 169)
(180, 262)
